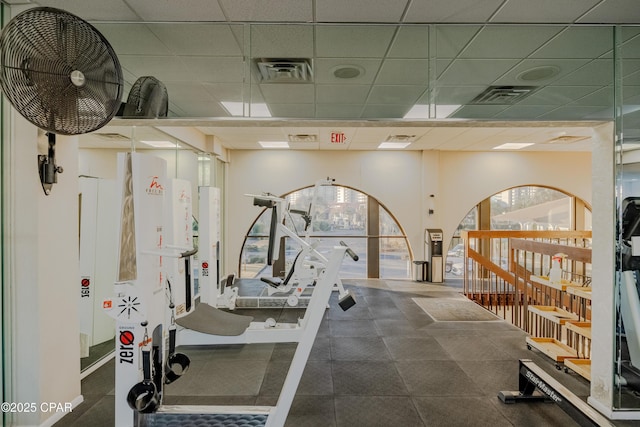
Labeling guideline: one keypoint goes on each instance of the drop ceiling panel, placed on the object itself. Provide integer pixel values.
(223, 91)
(478, 111)
(519, 112)
(404, 71)
(631, 48)
(135, 39)
(338, 111)
(169, 10)
(556, 95)
(281, 41)
(451, 40)
(324, 68)
(198, 39)
(538, 11)
(387, 94)
(203, 108)
(598, 72)
(410, 42)
(508, 41)
(571, 112)
(359, 10)
(455, 95)
(369, 41)
(183, 92)
(347, 94)
(300, 111)
(614, 12)
(116, 10)
(475, 71)
(451, 11)
(601, 97)
(272, 10)
(215, 69)
(578, 42)
(379, 111)
(164, 68)
(288, 93)
(562, 67)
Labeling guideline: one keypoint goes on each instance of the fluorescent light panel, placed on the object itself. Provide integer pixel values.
(274, 144)
(161, 144)
(393, 145)
(236, 109)
(421, 111)
(513, 145)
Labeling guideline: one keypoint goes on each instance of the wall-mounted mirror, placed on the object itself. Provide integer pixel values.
(99, 215)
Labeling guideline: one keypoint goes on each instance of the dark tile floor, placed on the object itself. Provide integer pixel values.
(384, 362)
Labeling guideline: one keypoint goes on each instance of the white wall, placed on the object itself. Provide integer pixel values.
(467, 178)
(401, 180)
(41, 264)
(392, 177)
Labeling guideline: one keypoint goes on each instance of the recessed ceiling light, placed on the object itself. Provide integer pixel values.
(538, 73)
(513, 145)
(347, 71)
(161, 144)
(393, 145)
(274, 144)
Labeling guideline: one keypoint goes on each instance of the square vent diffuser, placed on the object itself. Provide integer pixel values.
(500, 95)
(291, 70)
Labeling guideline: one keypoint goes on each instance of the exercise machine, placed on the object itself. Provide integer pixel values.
(308, 263)
(628, 374)
(155, 308)
(294, 288)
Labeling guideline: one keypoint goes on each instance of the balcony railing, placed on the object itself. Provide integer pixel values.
(505, 272)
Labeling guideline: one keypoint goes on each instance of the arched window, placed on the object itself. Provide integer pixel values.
(520, 208)
(339, 213)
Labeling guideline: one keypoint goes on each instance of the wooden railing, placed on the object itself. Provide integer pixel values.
(500, 265)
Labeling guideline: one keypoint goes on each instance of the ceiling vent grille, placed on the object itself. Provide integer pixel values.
(566, 139)
(501, 95)
(400, 138)
(108, 136)
(292, 70)
(303, 137)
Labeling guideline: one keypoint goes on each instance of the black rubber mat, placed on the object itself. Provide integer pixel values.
(202, 420)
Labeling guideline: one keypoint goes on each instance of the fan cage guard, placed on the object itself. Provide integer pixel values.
(41, 52)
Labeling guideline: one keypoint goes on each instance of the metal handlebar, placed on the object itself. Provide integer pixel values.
(354, 256)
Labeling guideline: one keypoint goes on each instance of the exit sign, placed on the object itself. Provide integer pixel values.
(338, 138)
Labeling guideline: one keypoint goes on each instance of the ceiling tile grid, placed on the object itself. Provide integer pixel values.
(205, 54)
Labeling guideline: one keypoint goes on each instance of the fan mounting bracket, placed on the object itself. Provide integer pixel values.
(47, 166)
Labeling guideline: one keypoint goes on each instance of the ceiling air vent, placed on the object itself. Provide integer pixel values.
(291, 70)
(108, 136)
(400, 138)
(566, 139)
(303, 137)
(495, 95)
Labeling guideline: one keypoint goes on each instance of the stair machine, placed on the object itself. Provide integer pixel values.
(155, 309)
